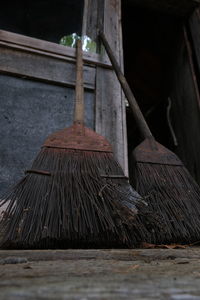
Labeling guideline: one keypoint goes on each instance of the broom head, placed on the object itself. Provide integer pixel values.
(75, 195)
(169, 190)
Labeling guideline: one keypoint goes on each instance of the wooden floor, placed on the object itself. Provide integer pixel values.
(100, 274)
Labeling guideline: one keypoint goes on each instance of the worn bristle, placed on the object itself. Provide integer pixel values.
(174, 196)
(73, 207)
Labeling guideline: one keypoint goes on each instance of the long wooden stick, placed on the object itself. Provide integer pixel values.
(79, 90)
(144, 128)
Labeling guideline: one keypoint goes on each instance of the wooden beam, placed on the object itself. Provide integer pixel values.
(43, 68)
(33, 45)
(110, 104)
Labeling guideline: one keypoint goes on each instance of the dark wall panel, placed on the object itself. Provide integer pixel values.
(29, 112)
(186, 114)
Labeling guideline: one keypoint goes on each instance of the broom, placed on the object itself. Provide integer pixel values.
(75, 194)
(161, 178)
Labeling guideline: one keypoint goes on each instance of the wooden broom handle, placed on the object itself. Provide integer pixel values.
(79, 89)
(139, 118)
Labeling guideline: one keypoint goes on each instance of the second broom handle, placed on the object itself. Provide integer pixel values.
(144, 128)
(79, 89)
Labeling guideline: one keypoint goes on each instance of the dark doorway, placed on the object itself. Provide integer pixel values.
(150, 43)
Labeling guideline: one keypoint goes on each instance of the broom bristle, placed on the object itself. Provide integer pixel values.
(74, 206)
(174, 196)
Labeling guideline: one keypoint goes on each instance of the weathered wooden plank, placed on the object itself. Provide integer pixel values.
(110, 112)
(100, 274)
(49, 69)
(95, 17)
(29, 112)
(85, 16)
(185, 105)
(47, 48)
(124, 255)
(92, 16)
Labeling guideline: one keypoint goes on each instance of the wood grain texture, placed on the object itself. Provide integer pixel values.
(100, 274)
(48, 69)
(29, 44)
(110, 109)
(110, 105)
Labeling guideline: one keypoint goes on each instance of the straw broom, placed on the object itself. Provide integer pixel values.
(162, 179)
(75, 194)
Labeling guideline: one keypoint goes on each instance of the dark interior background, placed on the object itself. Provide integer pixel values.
(151, 41)
(43, 19)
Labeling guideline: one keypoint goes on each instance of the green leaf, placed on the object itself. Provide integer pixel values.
(70, 41)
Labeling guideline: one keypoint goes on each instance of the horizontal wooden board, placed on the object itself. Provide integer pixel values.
(48, 69)
(50, 49)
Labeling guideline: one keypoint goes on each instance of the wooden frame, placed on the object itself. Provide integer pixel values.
(110, 100)
(45, 48)
(36, 59)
